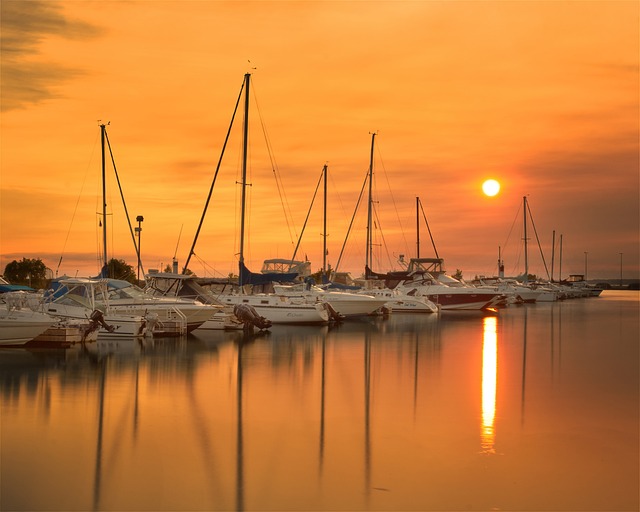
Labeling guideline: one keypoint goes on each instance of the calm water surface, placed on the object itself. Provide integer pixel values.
(535, 408)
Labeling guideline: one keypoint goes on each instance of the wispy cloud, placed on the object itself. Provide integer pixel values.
(27, 79)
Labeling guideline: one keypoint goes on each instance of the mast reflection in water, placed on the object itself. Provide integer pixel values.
(397, 413)
(489, 383)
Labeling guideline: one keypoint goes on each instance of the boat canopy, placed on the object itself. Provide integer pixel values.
(5, 288)
(248, 277)
(285, 266)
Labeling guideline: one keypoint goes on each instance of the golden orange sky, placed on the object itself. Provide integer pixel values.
(542, 96)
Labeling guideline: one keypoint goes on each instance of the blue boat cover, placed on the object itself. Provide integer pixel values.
(248, 277)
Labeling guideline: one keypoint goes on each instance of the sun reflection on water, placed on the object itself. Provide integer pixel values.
(489, 377)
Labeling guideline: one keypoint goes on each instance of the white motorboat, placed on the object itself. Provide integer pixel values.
(579, 287)
(444, 291)
(450, 298)
(514, 291)
(344, 303)
(19, 326)
(84, 298)
(281, 309)
(398, 301)
(168, 285)
(127, 298)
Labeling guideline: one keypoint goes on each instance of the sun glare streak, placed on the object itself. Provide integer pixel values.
(489, 379)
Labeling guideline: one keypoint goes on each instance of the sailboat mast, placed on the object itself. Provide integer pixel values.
(553, 252)
(244, 173)
(417, 227)
(369, 250)
(560, 270)
(104, 199)
(324, 237)
(526, 255)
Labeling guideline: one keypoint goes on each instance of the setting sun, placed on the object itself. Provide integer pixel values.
(491, 187)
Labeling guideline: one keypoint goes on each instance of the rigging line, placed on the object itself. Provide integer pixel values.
(307, 218)
(178, 242)
(384, 242)
(352, 219)
(424, 216)
(75, 209)
(393, 201)
(207, 266)
(274, 168)
(337, 192)
(124, 204)
(215, 176)
(538, 240)
(513, 224)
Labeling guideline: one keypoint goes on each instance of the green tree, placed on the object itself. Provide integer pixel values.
(120, 269)
(29, 272)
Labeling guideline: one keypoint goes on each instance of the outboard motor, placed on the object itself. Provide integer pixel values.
(248, 315)
(334, 316)
(97, 319)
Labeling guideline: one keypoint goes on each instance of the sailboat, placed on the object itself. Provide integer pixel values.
(424, 278)
(345, 303)
(548, 291)
(276, 308)
(169, 316)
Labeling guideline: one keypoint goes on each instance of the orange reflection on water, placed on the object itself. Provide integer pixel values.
(489, 378)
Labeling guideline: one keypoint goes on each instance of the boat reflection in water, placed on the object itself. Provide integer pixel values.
(379, 414)
(489, 383)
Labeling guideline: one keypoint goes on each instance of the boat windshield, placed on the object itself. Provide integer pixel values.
(124, 290)
(75, 296)
(449, 281)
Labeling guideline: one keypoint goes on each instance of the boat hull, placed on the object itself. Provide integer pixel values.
(279, 310)
(192, 315)
(20, 327)
(462, 301)
(123, 326)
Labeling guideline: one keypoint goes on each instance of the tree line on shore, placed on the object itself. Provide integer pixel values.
(34, 273)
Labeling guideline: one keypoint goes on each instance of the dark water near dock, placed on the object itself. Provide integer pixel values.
(535, 408)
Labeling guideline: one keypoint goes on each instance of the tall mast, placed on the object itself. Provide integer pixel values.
(244, 172)
(560, 270)
(526, 255)
(417, 227)
(553, 252)
(324, 237)
(104, 199)
(369, 250)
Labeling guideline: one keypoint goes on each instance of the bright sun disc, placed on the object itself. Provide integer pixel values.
(491, 187)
